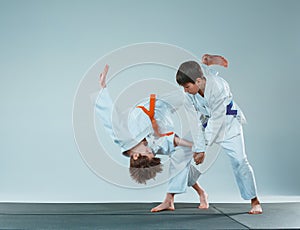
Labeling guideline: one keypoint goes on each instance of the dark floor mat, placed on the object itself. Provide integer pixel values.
(138, 216)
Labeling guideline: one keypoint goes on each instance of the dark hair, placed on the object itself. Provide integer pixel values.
(188, 72)
(126, 153)
(143, 168)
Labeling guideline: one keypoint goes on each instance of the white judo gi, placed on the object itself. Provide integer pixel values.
(128, 128)
(222, 120)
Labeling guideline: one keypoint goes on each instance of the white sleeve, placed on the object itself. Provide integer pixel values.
(215, 125)
(195, 125)
(104, 110)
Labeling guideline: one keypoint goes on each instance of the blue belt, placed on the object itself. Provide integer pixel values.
(230, 111)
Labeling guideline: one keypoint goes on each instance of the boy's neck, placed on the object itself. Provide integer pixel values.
(202, 87)
(201, 93)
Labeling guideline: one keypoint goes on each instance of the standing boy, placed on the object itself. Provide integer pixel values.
(221, 120)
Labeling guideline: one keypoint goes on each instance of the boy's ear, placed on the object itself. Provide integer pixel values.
(198, 80)
(135, 156)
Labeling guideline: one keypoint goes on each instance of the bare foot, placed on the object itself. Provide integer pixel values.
(204, 201)
(164, 206)
(208, 59)
(256, 209)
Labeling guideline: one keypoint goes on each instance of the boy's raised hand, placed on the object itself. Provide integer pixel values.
(102, 78)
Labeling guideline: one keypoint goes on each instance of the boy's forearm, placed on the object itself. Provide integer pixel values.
(182, 142)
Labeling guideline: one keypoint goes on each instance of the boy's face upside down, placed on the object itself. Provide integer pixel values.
(141, 149)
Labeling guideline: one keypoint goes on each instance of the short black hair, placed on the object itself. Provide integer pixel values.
(188, 72)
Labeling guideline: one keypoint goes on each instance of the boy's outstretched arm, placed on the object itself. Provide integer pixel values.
(104, 107)
(182, 142)
(198, 157)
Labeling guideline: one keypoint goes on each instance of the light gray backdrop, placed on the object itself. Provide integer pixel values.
(47, 46)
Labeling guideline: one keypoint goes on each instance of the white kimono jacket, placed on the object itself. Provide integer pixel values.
(224, 117)
(129, 127)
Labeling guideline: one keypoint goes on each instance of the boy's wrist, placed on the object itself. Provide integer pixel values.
(197, 149)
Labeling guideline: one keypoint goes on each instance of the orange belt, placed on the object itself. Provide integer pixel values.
(150, 114)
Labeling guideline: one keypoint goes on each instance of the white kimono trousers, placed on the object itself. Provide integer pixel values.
(222, 120)
(128, 128)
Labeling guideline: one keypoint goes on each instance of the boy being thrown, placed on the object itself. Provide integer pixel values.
(145, 136)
